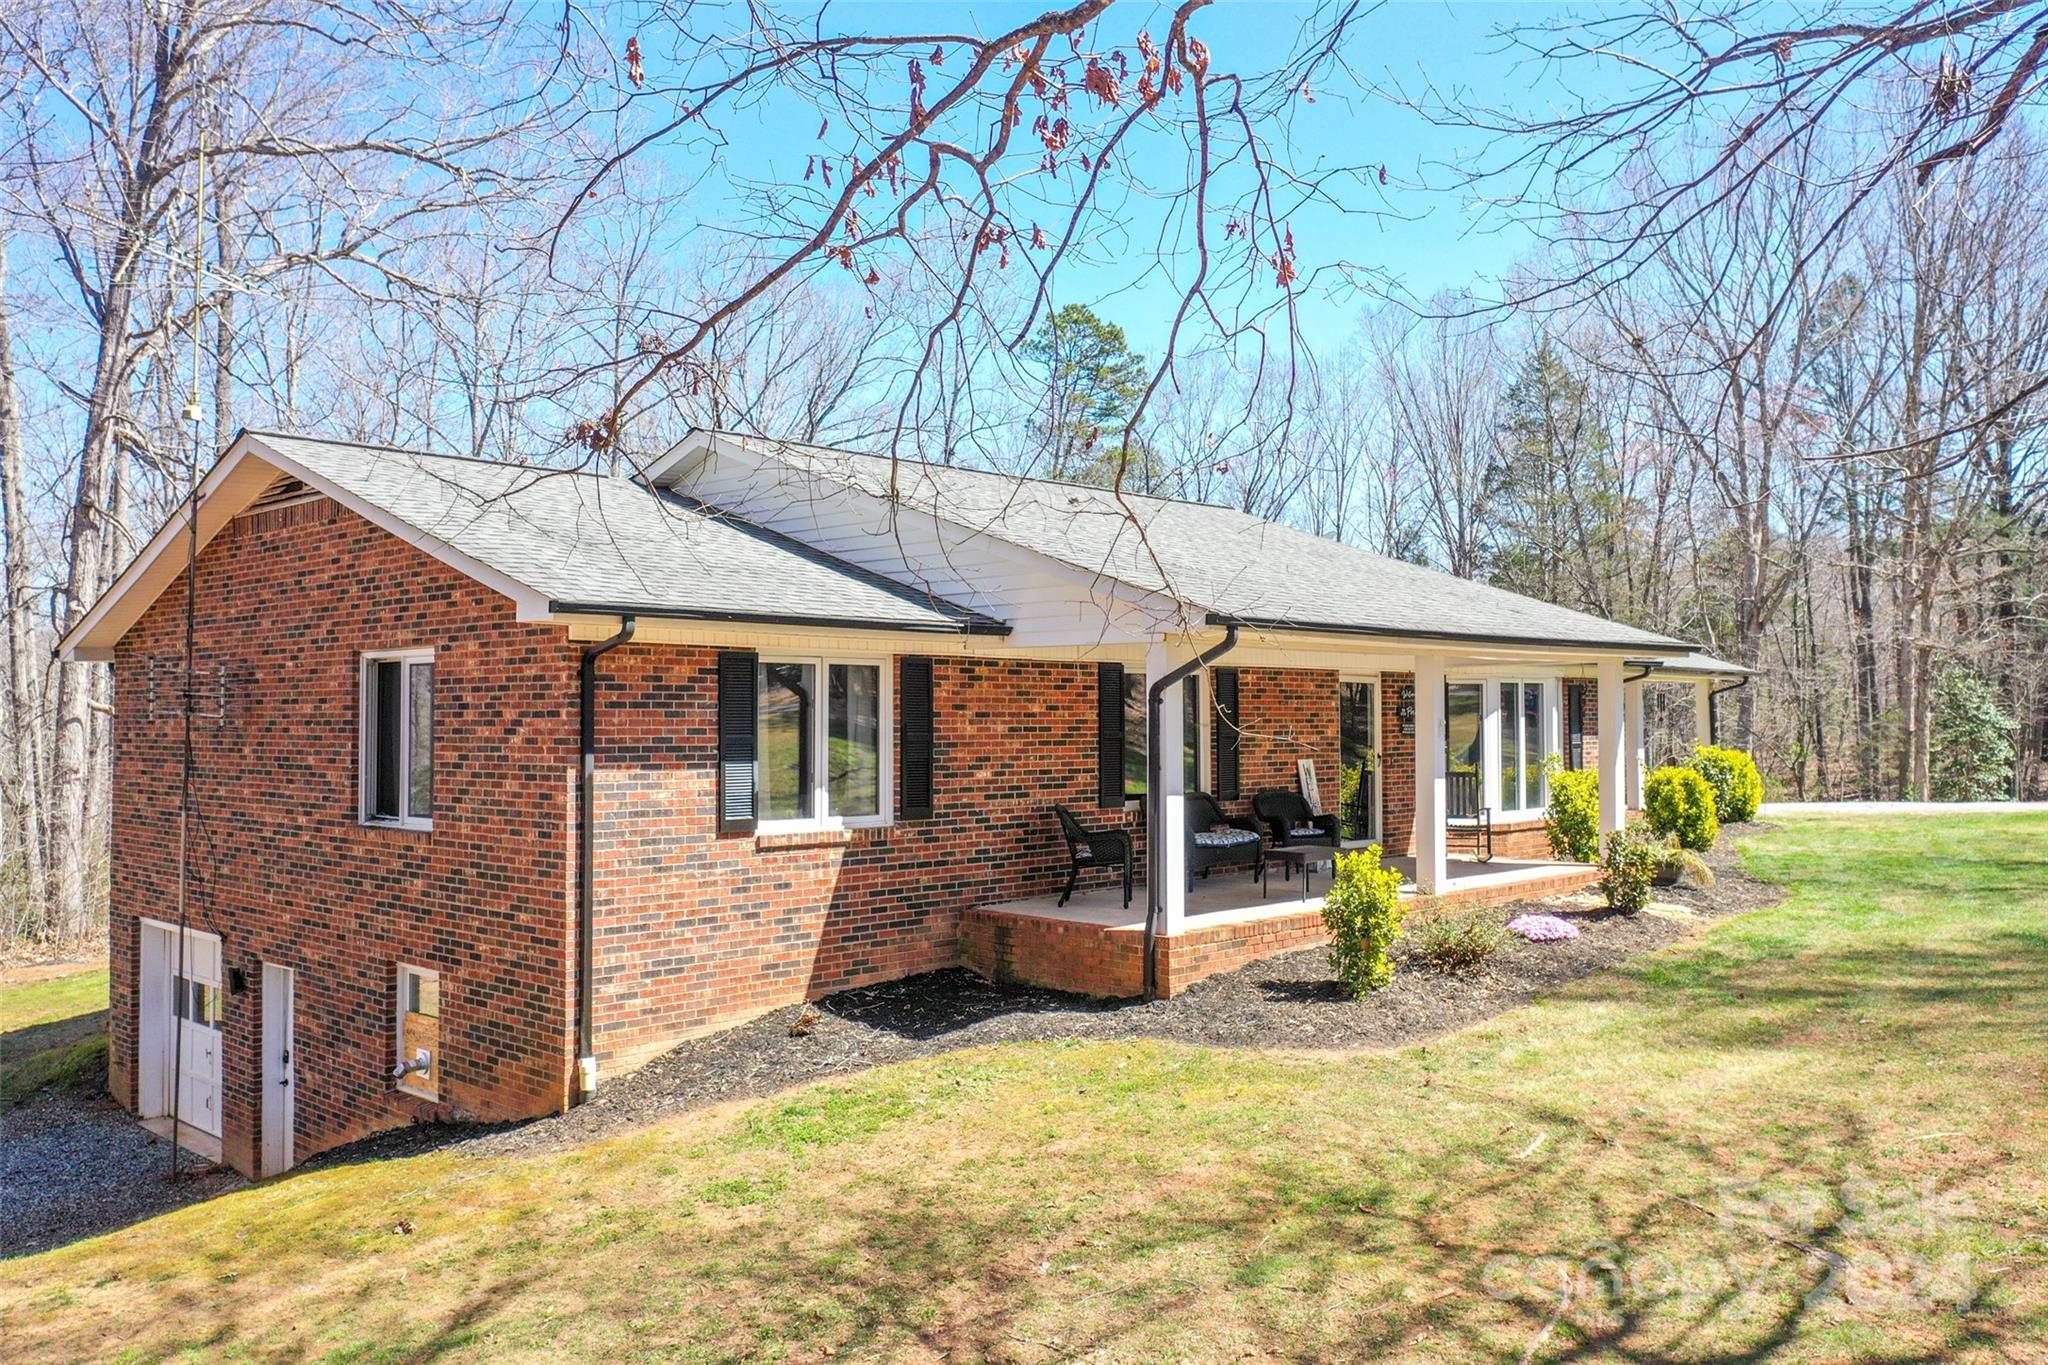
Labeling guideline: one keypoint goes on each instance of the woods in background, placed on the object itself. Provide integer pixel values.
(1807, 426)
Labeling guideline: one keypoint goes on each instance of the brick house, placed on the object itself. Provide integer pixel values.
(508, 779)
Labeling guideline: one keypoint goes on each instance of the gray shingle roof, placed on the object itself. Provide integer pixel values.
(1703, 664)
(598, 542)
(1230, 564)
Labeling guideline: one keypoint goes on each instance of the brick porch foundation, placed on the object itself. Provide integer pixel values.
(1106, 961)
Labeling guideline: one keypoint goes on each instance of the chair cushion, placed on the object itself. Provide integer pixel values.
(1224, 838)
(1084, 855)
(1304, 831)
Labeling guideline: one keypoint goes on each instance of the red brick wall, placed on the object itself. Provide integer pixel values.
(1288, 715)
(1397, 767)
(286, 874)
(697, 930)
(1592, 695)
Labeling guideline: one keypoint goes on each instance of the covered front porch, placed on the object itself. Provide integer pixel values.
(1094, 944)
(1440, 756)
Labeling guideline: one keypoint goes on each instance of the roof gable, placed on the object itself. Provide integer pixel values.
(552, 541)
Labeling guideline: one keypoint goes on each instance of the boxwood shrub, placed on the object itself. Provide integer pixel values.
(1572, 819)
(1732, 773)
(1628, 866)
(1678, 801)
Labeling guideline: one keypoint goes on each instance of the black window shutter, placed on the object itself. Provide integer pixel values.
(1575, 726)
(388, 701)
(1109, 733)
(1226, 774)
(914, 745)
(736, 740)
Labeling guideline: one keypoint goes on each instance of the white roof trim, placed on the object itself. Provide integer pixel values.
(225, 492)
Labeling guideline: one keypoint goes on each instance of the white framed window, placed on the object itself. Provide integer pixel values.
(1194, 727)
(419, 1031)
(824, 743)
(196, 1002)
(1523, 720)
(397, 739)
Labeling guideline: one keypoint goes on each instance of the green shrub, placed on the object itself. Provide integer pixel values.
(1363, 916)
(1459, 945)
(1678, 801)
(1572, 820)
(1732, 773)
(1627, 867)
(1973, 740)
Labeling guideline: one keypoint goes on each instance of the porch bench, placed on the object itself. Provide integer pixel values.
(1467, 818)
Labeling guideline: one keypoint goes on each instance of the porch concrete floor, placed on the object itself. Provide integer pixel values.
(199, 1143)
(1231, 896)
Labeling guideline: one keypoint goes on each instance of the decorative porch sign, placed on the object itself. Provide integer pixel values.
(1305, 768)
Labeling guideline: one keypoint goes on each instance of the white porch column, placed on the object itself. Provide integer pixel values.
(1613, 813)
(1632, 740)
(1431, 871)
(1170, 809)
(1703, 713)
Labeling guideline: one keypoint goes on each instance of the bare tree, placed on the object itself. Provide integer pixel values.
(1441, 375)
(332, 142)
(963, 163)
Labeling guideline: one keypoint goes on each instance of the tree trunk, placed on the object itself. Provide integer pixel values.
(24, 822)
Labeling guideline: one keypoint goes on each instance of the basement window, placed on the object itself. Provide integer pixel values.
(419, 1032)
(398, 739)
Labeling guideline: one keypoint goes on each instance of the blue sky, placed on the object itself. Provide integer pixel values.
(1429, 239)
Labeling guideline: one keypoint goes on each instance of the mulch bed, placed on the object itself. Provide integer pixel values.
(76, 1165)
(1287, 1002)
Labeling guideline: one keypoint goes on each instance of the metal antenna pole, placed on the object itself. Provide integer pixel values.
(192, 415)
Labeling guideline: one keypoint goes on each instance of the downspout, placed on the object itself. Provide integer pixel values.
(1714, 708)
(1641, 729)
(1155, 847)
(586, 858)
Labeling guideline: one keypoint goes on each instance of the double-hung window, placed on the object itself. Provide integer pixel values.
(1523, 709)
(398, 739)
(1138, 735)
(823, 742)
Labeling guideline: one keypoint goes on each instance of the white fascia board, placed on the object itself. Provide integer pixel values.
(675, 465)
(228, 488)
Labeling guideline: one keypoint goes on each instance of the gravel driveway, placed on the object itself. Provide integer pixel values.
(75, 1164)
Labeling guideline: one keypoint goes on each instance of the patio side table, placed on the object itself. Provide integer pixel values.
(1303, 856)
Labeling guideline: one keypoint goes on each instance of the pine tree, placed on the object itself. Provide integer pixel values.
(1554, 485)
(1972, 740)
(1093, 383)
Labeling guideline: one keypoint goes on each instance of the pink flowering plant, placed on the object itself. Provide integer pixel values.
(1542, 928)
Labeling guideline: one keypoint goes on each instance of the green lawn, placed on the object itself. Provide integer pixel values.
(53, 1032)
(1815, 1133)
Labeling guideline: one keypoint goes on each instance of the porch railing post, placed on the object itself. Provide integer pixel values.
(1632, 741)
(1613, 789)
(1171, 830)
(1703, 712)
(1431, 867)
